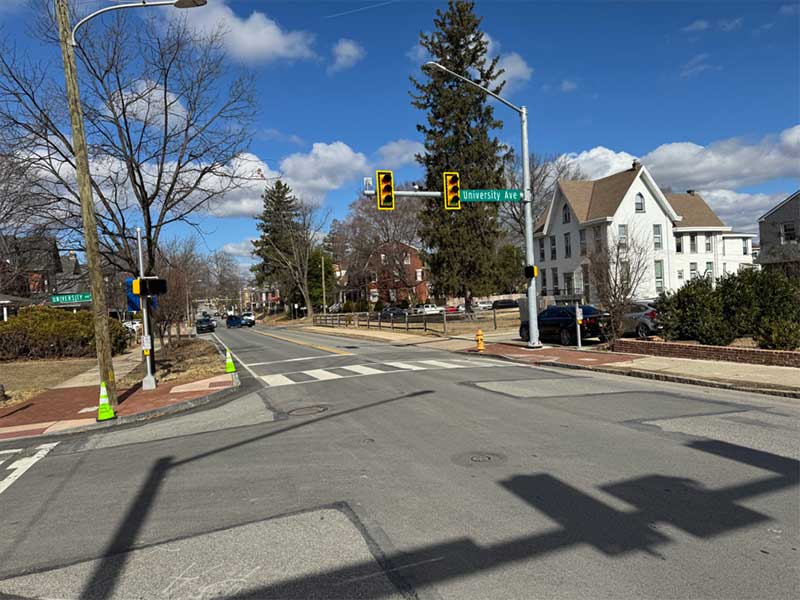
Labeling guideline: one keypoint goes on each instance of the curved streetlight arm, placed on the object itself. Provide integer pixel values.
(140, 4)
(469, 81)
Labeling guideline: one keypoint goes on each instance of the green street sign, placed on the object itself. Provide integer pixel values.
(491, 195)
(71, 298)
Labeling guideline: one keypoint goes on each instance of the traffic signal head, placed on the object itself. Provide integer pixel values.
(384, 189)
(452, 190)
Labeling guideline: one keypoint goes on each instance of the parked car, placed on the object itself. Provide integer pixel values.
(233, 321)
(450, 309)
(335, 308)
(204, 325)
(508, 303)
(558, 322)
(426, 309)
(133, 326)
(248, 319)
(641, 319)
(393, 312)
(482, 305)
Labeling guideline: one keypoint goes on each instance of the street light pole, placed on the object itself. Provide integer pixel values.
(522, 111)
(102, 335)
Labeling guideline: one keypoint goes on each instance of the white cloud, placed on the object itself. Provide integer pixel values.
(148, 101)
(789, 9)
(418, 54)
(738, 210)
(696, 65)
(243, 249)
(346, 53)
(254, 38)
(327, 167)
(695, 26)
(399, 152)
(517, 71)
(568, 86)
(279, 136)
(601, 161)
(731, 24)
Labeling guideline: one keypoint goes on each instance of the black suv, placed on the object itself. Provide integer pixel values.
(498, 304)
(558, 322)
(204, 325)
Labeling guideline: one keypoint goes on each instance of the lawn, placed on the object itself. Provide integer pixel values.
(25, 378)
(182, 361)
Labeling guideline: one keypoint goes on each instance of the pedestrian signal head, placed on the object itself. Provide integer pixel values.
(452, 190)
(384, 189)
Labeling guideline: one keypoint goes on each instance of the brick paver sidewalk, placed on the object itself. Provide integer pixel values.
(60, 409)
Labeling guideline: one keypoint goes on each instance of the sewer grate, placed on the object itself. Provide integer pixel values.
(479, 459)
(307, 410)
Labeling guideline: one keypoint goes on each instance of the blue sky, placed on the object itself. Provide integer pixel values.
(706, 94)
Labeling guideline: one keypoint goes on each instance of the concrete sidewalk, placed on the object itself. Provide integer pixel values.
(123, 364)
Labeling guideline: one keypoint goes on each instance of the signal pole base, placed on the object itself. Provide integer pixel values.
(532, 346)
(149, 382)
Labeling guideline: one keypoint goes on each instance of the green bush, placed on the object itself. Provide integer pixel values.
(715, 330)
(378, 306)
(682, 312)
(778, 334)
(348, 307)
(741, 303)
(46, 332)
(404, 303)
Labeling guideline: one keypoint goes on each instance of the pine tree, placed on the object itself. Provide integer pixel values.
(458, 137)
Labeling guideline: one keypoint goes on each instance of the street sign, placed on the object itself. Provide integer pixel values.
(491, 195)
(71, 298)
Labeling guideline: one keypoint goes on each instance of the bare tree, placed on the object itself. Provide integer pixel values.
(177, 261)
(545, 172)
(616, 271)
(167, 122)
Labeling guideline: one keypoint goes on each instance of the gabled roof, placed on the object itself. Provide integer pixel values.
(598, 199)
(795, 196)
(694, 210)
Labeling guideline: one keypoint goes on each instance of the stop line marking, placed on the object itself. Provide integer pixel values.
(21, 465)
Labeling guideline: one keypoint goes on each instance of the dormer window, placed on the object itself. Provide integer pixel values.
(565, 214)
(639, 203)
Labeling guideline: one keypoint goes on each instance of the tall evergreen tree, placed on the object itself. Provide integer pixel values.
(459, 137)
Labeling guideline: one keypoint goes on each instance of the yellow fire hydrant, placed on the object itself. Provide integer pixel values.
(479, 340)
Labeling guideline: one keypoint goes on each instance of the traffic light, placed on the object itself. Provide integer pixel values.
(452, 190)
(384, 190)
(149, 287)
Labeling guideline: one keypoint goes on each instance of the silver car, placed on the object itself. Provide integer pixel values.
(641, 319)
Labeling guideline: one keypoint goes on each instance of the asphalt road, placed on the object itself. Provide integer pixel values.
(354, 469)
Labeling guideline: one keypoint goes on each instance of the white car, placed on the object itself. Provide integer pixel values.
(133, 326)
(482, 305)
(427, 309)
(248, 318)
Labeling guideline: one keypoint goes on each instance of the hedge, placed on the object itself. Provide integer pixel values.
(761, 304)
(46, 332)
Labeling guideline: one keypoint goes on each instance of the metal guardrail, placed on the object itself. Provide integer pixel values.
(436, 323)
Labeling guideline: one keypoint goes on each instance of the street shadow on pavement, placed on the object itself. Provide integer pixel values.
(583, 520)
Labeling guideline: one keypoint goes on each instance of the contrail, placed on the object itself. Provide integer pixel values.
(355, 10)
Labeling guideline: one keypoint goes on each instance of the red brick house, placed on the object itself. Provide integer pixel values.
(397, 274)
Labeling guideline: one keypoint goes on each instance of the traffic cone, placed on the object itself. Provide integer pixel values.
(229, 366)
(104, 410)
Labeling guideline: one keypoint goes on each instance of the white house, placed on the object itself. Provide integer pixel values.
(680, 232)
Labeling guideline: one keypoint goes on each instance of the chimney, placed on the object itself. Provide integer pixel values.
(690, 192)
(636, 165)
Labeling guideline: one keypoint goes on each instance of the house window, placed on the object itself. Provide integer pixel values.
(567, 247)
(598, 240)
(569, 284)
(639, 203)
(693, 271)
(543, 273)
(383, 259)
(419, 274)
(659, 276)
(566, 217)
(709, 269)
(556, 291)
(393, 295)
(709, 241)
(788, 233)
(657, 241)
(744, 246)
(680, 274)
(585, 272)
(373, 277)
(679, 243)
(582, 240)
(622, 235)
(693, 243)
(541, 249)
(552, 247)
(406, 259)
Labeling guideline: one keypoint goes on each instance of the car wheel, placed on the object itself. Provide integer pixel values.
(565, 337)
(642, 330)
(524, 332)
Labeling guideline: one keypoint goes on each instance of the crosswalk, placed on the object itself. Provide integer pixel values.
(19, 460)
(373, 368)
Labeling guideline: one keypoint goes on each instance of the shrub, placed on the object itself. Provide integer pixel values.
(404, 303)
(348, 307)
(47, 332)
(715, 330)
(683, 312)
(740, 297)
(778, 334)
(378, 306)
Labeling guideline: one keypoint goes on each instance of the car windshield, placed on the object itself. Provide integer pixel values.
(203, 321)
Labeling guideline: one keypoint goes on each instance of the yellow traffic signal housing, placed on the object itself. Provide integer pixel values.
(384, 190)
(452, 190)
(136, 287)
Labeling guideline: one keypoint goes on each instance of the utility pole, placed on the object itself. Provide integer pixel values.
(324, 301)
(102, 335)
(149, 381)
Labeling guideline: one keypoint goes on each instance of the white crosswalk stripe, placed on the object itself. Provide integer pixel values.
(362, 370)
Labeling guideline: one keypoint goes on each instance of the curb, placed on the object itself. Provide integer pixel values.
(208, 401)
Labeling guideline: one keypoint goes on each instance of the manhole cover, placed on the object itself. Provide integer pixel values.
(479, 458)
(307, 410)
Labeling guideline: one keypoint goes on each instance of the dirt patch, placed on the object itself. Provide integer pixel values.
(26, 378)
(182, 361)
